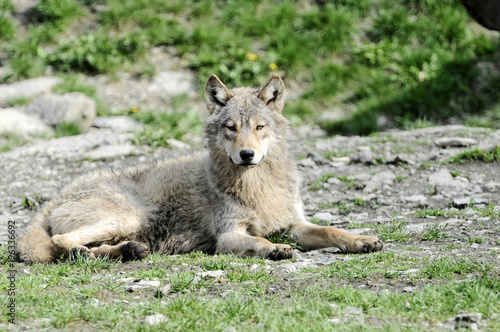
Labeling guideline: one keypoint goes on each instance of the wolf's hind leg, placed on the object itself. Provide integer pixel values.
(75, 243)
(312, 236)
(243, 244)
(128, 250)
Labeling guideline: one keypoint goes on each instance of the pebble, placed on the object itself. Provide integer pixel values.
(155, 319)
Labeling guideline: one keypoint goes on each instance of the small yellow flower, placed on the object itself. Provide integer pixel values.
(273, 66)
(251, 56)
(134, 109)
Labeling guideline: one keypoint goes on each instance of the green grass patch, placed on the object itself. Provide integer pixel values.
(160, 126)
(411, 60)
(67, 129)
(476, 155)
(10, 141)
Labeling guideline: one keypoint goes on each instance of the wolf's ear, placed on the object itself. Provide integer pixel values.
(216, 94)
(273, 93)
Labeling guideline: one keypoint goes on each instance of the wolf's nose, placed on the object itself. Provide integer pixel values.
(247, 155)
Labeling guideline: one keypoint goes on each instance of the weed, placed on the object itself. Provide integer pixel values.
(446, 267)
(67, 129)
(399, 178)
(432, 190)
(10, 141)
(396, 231)
(476, 155)
(160, 126)
(360, 202)
(434, 232)
(476, 240)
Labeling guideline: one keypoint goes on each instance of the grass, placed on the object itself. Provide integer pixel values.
(251, 295)
(10, 141)
(476, 155)
(67, 129)
(414, 58)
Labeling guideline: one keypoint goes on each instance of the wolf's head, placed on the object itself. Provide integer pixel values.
(244, 122)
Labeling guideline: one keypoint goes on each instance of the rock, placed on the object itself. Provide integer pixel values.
(111, 151)
(467, 321)
(306, 162)
(211, 274)
(492, 186)
(378, 180)
(365, 155)
(353, 311)
(70, 146)
(164, 290)
(334, 181)
(448, 142)
(418, 199)
(324, 216)
(446, 184)
(27, 88)
(16, 122)
(462, 203)
(334, 321)
(155, 319)
(172, 83)
(317, 158)
(408, 290)
(416, 228)
(178, 145)
(72, 107)
(119, 124)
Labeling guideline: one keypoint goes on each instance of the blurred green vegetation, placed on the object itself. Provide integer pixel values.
(364, 65)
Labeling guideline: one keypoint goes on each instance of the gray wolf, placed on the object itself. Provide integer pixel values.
(224, 200)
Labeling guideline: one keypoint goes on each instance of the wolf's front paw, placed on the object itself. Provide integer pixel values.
(364, 244)
(281, 251)
(82, 252)
(133, 251)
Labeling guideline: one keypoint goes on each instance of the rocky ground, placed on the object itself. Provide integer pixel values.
(363, 184)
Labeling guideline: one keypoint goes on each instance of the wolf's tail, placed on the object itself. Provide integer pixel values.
(36, 246)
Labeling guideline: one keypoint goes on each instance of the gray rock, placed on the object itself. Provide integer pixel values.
(446, 184)
(70, 146)
(54, 109)
(492, 186)
(353, 311)
(378, 180)
(172, 83)
(317, 158)
(417, 228)
(119, 124)
(418, 199)
(164, 290)
(16, 122)
(386, 177)
(306, 162)
(448, 142)
(365, 155)
(111, 151)
(324, 216)
(211, 274)
(178, 145)
(27, 88)
(462, 203)
(467, 321)
(155, 319)
(334, 181)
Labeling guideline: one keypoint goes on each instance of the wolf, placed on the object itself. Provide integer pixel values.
(220, 201)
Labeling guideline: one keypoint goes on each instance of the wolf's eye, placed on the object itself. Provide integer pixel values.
(231, 128)
(259, 127)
